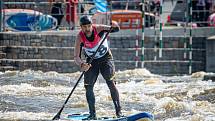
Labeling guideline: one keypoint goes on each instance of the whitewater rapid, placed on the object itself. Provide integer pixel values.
(37, 95)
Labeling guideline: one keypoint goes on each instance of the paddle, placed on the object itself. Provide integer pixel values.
(57, 116)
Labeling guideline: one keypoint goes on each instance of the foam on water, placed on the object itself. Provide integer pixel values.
(36, 95)
(24, 116)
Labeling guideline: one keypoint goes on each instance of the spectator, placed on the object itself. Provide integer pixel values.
(154, 6)
(81, 6)
(211, 18)
(201, 11)
(195, 13)
(213, 9)
(208, 7)
(57, 10)
(71, 12)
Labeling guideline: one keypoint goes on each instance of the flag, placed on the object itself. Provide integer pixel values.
(101, 5)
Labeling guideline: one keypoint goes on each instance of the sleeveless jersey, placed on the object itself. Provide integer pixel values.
(91, 47)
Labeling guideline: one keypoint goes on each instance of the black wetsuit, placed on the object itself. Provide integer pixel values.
(104, 66)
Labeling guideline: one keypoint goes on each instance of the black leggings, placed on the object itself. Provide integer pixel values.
(106, 68)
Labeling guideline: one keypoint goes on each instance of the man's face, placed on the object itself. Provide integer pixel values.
(87, 29)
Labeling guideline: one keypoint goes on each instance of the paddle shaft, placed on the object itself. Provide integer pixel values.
(57, 116)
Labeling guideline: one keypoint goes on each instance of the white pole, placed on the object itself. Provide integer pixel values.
(136, 45)
(143, 34)
(161, 31)
(191, 39)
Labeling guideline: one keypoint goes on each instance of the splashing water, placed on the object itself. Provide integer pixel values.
(37, 95)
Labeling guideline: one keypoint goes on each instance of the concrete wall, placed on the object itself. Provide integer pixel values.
(53, 51)
(210, 54)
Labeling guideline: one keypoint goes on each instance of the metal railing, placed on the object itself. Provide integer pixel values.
(43, 7)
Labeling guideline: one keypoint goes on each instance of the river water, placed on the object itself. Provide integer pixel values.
(37, 95)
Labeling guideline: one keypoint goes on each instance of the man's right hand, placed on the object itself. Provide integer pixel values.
(85, 66)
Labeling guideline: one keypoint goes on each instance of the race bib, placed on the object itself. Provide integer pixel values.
(101, 52)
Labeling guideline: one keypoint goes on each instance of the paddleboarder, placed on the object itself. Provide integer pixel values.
(91, 36)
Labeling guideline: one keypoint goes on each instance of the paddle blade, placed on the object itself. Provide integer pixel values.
(57, 116)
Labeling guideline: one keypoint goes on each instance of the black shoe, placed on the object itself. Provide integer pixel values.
(118, 109)
(119, 114)
(91, 117)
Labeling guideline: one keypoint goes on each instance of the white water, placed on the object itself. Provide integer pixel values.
(36, 95)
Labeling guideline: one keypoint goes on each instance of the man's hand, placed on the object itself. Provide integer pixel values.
(114, 24)
(85, 66)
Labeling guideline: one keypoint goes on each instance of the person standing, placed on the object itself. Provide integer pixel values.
(71, 13)
(211, 18)
(91, 36)
(201, 4)
(57, 10)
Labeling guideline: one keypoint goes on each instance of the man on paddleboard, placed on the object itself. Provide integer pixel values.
(91, 35)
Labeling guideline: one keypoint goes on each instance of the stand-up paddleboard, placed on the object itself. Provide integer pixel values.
(27, 20)
(143, 116)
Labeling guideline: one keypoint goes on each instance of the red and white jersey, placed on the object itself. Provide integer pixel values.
(211, 20)
(91, 47)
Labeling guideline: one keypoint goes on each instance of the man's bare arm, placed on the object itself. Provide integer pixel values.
(77, 59)
(101, 27)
